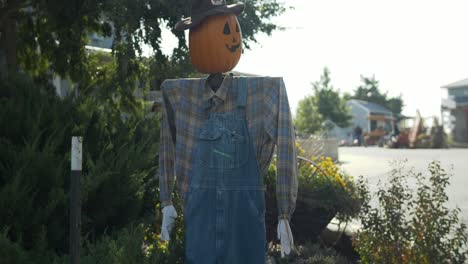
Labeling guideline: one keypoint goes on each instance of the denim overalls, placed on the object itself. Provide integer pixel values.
(225, 206)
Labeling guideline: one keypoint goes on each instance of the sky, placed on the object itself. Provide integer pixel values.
(412, 47)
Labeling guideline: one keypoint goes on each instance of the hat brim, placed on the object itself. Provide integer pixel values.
(190, 22)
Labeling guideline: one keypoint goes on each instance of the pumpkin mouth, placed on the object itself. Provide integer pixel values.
(233, 48)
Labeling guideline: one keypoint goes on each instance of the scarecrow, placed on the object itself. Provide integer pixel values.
(218, 135)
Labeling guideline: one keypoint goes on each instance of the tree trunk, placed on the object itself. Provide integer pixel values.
(3, 61)
(8, 41)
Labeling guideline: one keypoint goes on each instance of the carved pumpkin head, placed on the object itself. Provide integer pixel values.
(215, 45)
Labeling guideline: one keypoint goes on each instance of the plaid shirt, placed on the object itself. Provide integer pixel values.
(269, 124)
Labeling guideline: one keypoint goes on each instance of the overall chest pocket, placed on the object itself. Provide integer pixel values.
(222, 148)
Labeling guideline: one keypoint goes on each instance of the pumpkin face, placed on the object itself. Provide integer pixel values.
(216, 44)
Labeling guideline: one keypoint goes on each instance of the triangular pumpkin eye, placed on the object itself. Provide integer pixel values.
(226, 30)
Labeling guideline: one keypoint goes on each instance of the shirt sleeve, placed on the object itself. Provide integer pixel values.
(166, 148)
(279, 126)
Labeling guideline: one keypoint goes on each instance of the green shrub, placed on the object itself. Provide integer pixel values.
(33, 166)
(134, 244)
(309, 253)
(438, 136)
(123, 247)
(11, 252)
(119, 164)
(411, 226)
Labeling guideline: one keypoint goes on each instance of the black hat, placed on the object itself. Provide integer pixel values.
(204, 8)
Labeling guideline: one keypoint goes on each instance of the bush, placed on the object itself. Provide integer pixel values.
(343, 197)
(33, 168)
(411, 226)
(309, 253)
(122, 247)
(12, 252)
(125, 246)
(438, 136)
(119, 164)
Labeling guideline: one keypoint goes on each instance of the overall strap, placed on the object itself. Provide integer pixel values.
(242, 93)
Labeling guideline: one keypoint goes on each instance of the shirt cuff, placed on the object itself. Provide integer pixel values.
(166, 203)
(284, 216)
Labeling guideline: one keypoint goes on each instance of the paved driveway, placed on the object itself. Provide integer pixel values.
(374, 164)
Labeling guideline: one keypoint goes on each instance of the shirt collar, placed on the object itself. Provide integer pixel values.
(222, 90)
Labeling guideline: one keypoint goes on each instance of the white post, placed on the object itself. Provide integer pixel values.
(75, 199)
(77, 153)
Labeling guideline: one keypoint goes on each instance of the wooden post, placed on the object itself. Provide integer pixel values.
(75, 199)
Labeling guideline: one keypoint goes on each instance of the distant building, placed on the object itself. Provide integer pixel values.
(457, 106)
(373, 119)
(370, 116)
(97, 43)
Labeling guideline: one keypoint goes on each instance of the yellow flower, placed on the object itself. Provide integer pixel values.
(331, 170)
(300, 150)
(162, 245)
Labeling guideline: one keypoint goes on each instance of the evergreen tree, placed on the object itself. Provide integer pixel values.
(369, 91)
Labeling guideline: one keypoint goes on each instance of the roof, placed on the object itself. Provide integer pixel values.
(371, 107)
(458, 84)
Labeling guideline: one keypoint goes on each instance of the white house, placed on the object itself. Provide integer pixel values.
(456, 105)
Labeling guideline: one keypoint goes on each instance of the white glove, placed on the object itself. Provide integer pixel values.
(285, 236)
(168, 220)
